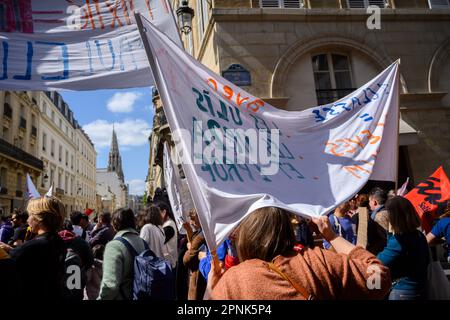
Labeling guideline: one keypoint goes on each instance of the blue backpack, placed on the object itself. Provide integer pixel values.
(153, 276)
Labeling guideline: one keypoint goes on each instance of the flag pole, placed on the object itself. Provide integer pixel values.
(153, 66)
(397, 151)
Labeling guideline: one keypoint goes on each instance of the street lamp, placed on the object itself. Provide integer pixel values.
(185, 15)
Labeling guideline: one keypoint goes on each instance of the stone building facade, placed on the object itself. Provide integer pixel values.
(68, 154)
(19, 125)
(301, 54)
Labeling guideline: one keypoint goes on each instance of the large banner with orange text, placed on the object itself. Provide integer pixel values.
(239, 153)
(77, 44)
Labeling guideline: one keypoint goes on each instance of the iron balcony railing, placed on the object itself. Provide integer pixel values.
(14, 152)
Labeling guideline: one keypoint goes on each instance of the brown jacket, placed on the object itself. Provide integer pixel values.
(324, 274)
(197, 284)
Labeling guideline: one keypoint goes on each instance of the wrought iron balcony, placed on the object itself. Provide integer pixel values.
(14, 152)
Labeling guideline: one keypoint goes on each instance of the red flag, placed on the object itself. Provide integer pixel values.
(428, 194)
(88, 211)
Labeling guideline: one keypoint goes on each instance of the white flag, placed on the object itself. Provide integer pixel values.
(32, 192)
(50, 191)
(77, 44)
(320, 158)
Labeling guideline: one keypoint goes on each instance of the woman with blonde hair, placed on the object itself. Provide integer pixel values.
(271, 270)
(40, 261)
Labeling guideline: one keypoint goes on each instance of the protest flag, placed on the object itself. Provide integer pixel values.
(427, 196)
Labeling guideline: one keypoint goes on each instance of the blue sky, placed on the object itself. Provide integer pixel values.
(131, 112)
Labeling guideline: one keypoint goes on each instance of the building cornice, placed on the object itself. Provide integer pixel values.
(325, 14)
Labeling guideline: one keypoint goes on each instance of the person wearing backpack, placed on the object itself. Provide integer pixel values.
(118, 262)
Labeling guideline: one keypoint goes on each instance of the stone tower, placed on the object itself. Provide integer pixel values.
(115, 161)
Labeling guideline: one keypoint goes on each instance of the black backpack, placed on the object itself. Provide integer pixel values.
(153, 277)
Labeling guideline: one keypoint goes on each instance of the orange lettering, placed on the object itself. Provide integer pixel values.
(114, 14)
(239, 100)
(85, 18)
(125, 10)
(214, 83)
(229, 92)
(258, 103)
(97, 8)
(91, 18)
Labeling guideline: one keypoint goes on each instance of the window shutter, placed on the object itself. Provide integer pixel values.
(269, 3)
(361, 4)
(356, 4)
(290, 4)
(439, 4)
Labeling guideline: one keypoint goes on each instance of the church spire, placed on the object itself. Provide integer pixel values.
(115, 161)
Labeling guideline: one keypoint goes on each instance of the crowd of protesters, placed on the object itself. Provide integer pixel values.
(272, 254)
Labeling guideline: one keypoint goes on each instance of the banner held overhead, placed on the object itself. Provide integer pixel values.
(77, 44)
(239, 153)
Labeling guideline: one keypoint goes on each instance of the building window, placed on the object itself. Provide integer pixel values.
(355, 4)
(44, 141)
(3, 179)
(203, 18)
(19, 182)
(52, 176)
(59, 180)
(67, 158)
(52, 148)
(53, 116)
(290, 4)
(44, 108)
(332, 77)
(439, 4)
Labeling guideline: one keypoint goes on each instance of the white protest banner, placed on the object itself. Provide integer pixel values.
(77, 44)
(173, 185)
(312, 160)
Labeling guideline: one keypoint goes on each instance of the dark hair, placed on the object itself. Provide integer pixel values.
(98, 251)
(153, 215)
(164, 206)
(123, 218)
(362, 201)
(402, 215)
(5, 218)
(22, 216)
(264, 234)
(75, 217)
(105, 217)
(67, 225)
(84, 216)
(379, 194)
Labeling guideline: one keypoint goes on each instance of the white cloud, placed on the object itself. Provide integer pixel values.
(137, 187)
(130, 132)
(123, 101)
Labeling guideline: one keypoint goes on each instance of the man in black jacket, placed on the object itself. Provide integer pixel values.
(103, 232)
